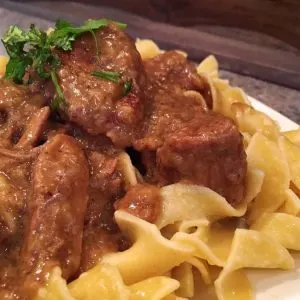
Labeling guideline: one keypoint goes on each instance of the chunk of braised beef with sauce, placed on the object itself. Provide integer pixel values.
(56, 211)
(184, 142)
(18, 105)
(98, 105)
(101, 234)
(142, 201)
(209, 152)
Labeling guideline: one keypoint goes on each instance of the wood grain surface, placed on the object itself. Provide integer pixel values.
(279, 18)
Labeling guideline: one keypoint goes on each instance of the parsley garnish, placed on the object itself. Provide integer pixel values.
(34, 48)
(107, 75)
(114, 77)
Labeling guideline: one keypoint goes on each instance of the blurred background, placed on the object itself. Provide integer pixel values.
(257, 42)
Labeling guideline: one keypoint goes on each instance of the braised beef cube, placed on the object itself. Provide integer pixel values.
(210, 153)
(99, 105)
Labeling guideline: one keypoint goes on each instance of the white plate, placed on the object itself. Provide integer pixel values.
(276, 284)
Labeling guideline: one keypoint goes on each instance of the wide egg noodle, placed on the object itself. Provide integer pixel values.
(209, 66)
(150, 255)
(154, 288)
(198, 226)
(251, 121)
(147, 48)
(292, 152)
(3, 63)
(184, 274)
(264, 154)
(250, 249)
(201, 267)
(293, 136)
(291, 204)
(234, 286)
(189, 202)
(174, 297)
(104, 280)
(213, 245)
(254, 183)
(55, 289)
(284, 228)
(227, 96)
(231, 96)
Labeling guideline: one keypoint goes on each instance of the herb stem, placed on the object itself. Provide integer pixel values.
(107, 75)
(55, 82)
(96, 44)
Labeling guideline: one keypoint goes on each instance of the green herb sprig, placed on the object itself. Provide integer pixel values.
(114, 77)
(34, 48)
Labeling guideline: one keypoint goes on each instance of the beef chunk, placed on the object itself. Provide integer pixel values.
(100, 231)
(56, 209)
(184, 142)
(17, 105)
(209, 152)
(98, 105)
(143, 201)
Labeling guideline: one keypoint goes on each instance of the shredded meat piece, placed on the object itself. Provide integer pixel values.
(14, 188)
(17, 106)
(34, 128)
(143, 201)
(101, 234)
(14, 191)
(96, 104)
(57, 207)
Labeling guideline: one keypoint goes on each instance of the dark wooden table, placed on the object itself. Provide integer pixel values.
(237, 50)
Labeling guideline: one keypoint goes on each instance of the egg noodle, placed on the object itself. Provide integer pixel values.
(194, 251)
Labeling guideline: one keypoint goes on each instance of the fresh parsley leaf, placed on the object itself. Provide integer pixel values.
(16, 67)
(65, 33)
(121, 25)
(13, 35)
(35, 36)
(62, 24)
(92, 25)
(14, 40)
(107, 75)
(127, 86)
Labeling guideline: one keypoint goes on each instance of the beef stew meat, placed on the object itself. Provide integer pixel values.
(99, 105)
(100, 231)
(183, 142)
(60, 179)
(60, 194)
(17, 106)
(143, 201)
